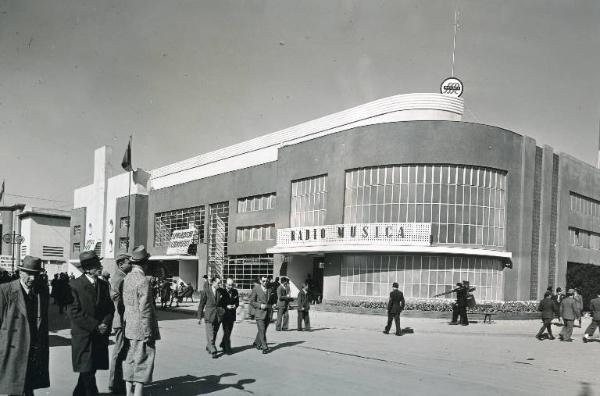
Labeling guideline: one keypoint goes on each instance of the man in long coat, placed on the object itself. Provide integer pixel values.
(260, 300)
(91, 313)
(24, 346)
(569, 311)
(115, 382)
(232, 301)
(212, 308)
(394, 307)
(283, 303)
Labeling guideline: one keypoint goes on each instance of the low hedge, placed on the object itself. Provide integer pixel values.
(438, 304)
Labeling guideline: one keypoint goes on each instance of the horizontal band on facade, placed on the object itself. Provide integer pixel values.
(375, 248)
(173, 257)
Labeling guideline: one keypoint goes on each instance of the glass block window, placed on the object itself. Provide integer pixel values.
(257, 203)
(420, 276)
(77, 231)
(77, 247)
(217, 238)
(245, 269)
(264, 232)
(167, 222)
(124, 222)
(584, 205)
(309, 201)
(465, 205)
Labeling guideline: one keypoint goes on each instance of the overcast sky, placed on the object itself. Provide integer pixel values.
(187, 77)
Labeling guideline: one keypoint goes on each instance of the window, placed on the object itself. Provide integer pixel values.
(245, 269)
(218, 235)
(77, 247)
(584, 205)
(465, 204)
(167, 222)
(123, 242)
(420, 276)
(77, 230)
(257, 203)
(309, 201)
(584, 239)
(52, 251)
(124, 222)
(255, 233)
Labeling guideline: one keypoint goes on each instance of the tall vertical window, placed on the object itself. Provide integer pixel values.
(264, 232)
(77, 247)
(124, 222)
(217, 238)
(309, 201)
(465, 205)
(77, 230)
(167, 222)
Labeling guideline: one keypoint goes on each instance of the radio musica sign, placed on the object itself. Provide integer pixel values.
(409, 234)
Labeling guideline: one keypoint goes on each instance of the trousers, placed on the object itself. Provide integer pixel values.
(119, 353)
(547, 325)
(283, 319)
(592, 327)
(396, 319)
(261, 334)
(212, 328)
(86, 384)
(303, 316)
(227, 329)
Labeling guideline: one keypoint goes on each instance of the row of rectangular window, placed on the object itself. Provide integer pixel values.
(436, 174)
(256, 233)
(584, 239)
(244, 270)
(584, 205)
(257, 203)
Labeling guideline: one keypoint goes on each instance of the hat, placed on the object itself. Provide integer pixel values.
(571, 291)
(122, 257)
(139, 254)
(395, 285)
(89, 259)
(31, 264)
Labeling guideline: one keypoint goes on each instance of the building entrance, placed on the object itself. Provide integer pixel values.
(315, 285)
(586, 278)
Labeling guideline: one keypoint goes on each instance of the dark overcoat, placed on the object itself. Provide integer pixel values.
(396, 302)
(212, 305)
(231, 297)
(15, 340)
(258, 297)
(91, 306)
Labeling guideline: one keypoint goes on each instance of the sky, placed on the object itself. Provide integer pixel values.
(187, 77)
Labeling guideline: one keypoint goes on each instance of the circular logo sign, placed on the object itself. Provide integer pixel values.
(452, 86)
(7, 238)
(19, 239)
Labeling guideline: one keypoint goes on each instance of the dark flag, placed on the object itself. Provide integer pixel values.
(2, 191)
(126, 163)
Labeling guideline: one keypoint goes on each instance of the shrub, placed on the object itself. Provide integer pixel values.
(438, 304)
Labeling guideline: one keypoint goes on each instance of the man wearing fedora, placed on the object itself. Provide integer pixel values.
(116, 384)
(141, 325)
(24, 350)
(211, 308)
(260, 300)
(394, 307)
(91, 313)
(569, 310)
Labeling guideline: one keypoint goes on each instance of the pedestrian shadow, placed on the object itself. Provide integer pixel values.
(407, 330)
(56, 340)
(242, 348)
(285, 345)
(318, 329)
(189, 385)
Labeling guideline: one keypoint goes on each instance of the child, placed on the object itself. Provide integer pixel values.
(303, 308)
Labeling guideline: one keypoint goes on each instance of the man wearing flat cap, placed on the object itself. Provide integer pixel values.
(141, 325)
(116, 384)
(91, 313)
(394, 307)
(24, 350)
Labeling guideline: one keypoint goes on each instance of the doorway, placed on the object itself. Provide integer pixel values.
(316, 280)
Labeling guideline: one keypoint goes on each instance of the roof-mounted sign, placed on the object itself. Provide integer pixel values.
(452, 86)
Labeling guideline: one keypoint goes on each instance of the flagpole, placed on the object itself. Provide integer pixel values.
(129, 195)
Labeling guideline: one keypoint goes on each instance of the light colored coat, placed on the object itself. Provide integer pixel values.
(140, 316)
(15, 339)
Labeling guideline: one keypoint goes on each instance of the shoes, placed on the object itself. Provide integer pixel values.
(276, 329)
(585, 340)
(398, 334)
(539, 337)
(284, 329)
(265, 351)
(228, 351)
(464, 324)
(551, 338)
(569, 340)
(453, 323)
(560, 337)
(386, 332)
(214, 355)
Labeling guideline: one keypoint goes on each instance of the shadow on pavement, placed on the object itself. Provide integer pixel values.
(56, 340)
(285, 345)
(189, 385)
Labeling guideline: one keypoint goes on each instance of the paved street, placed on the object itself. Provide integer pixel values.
(348, 354)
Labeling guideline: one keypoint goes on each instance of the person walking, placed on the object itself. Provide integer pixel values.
(394, 307)
(568, 312)
(595, 308)
(303, 308)
(579, 301)
(24, 345)
(232, 301)
(548, 309)
(141, 325)
(557, 298)
(91, 312)
(212, 308)
(283, 302)
(116, 384)
(263, 312)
